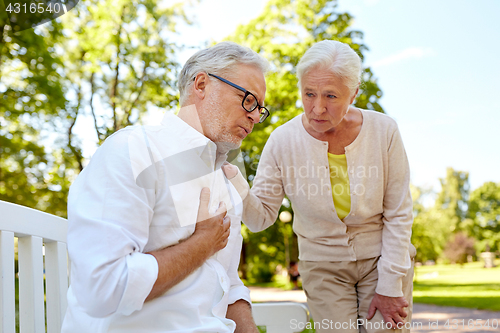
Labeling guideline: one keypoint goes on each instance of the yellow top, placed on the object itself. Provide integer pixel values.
(340, 184)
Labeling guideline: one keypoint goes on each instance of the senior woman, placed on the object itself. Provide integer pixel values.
(346, 174)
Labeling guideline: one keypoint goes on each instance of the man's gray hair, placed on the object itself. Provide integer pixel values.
(219, 59)
(336, 57)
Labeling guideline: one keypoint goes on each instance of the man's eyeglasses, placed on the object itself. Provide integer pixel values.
(249, 102)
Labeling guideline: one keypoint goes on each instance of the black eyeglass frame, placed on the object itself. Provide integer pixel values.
(263, 116)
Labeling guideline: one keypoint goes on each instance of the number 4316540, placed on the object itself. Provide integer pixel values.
(34, 8)
(471, 323)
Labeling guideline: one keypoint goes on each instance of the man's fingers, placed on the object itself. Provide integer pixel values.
(204, 201)
(203, 209)
(205, 195)
(221, 210)
(402, 313)
(227, 223)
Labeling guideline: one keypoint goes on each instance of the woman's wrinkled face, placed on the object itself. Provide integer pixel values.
(326, 100)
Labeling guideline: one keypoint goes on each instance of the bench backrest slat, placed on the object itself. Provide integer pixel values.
(7, 284)
(31, 296)
(36, 232)
(56, 281)
(281, 317)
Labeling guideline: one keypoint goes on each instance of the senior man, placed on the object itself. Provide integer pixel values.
(154, 226)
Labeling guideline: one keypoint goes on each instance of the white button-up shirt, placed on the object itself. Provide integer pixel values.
(140, 193)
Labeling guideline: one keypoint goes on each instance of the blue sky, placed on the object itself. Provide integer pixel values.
(438, 64)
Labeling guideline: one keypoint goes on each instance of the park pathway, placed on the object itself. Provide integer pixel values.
(426, 318)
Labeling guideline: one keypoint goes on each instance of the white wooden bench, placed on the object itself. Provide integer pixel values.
(281, 317)
(41, 248)
(36, 233)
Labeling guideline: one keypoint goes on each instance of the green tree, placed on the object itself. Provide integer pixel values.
(484, 216)
(119, 61)
(31, 95)
(450, 208)
(282, 33)
(434, 227)
(423, 230)
(109, 61)
(264, 251)
(459, 248)
(453, 199)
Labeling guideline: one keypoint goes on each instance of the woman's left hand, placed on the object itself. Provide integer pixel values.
(229, 170)
(391, 309)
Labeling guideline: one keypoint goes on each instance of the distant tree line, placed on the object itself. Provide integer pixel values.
(460, 223)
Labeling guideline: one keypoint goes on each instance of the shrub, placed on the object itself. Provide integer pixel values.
(459, 247)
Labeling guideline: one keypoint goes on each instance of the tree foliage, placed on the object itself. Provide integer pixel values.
(424, 229)
(484, 216)
(459, 248)
(31, 95)
(118, 62)
(453, 198)
(434, 227)
(108, 61)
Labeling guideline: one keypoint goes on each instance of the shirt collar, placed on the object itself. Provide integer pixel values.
(205, 148)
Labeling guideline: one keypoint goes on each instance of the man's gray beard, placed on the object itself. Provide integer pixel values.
(215, 128)
(225, 147)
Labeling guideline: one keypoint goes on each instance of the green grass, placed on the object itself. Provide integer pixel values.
(279, 281)
(468, 286)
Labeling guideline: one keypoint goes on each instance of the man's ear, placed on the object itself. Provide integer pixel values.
(200, 84)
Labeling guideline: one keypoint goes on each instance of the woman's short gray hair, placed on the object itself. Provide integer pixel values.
(219, 59)
(337, 57)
